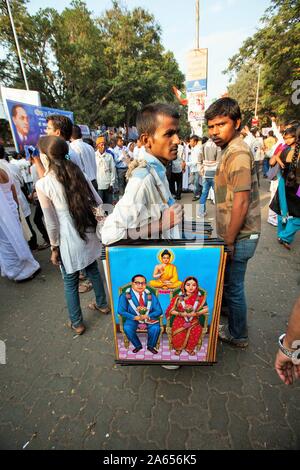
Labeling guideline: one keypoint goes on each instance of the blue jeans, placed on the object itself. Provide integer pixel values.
(266, 166)
(196, 183)
(207, 184)
(71, 283)
(234, 290)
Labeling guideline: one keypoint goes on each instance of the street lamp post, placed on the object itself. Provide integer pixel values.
(197, 24)
(257, 92)
(17, 44)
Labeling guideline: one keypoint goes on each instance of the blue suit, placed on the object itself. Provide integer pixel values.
(130, 325)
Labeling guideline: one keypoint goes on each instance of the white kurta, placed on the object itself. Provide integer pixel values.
(147, 196)
(16, 260)
(87, 157)
(76, 253)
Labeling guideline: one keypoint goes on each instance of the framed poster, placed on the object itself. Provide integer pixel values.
(166, 301)
(29, 122)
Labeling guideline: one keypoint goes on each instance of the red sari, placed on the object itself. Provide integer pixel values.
(187, 335)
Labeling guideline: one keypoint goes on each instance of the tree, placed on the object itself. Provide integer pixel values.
(100, 68)
(140, 70)
(276, 46)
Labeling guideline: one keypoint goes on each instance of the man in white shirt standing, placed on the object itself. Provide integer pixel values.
(106, 171)
(209, 158)
(121, 164)
(61, 126)
(86, 154)
(194, 165)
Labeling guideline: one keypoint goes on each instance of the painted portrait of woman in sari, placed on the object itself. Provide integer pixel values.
(187, 317)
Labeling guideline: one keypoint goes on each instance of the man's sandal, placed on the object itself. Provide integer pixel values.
(104, 310)
(84, 287)
(79, 330)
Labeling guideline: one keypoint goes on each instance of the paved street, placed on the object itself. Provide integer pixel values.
(60, 392)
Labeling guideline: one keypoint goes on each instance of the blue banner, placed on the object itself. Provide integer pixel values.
(28, 124)
(196, 85)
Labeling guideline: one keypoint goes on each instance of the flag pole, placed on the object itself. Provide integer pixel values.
(17, 44)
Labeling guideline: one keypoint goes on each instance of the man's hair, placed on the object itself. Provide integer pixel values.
(147, 118)
(2, 152)
(76, 132)
(112, 141)
(14, 111)
(195, 137)
(224, 107)
(138, 275)
(271, 133)
(62, 123)
(89, 141)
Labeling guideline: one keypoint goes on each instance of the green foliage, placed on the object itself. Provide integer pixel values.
(276, 46)
(103, 69)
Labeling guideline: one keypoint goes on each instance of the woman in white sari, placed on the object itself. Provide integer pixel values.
(16, 260)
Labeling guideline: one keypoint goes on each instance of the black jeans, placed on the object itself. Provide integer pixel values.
(176, 178)
(106, 195)
(38, 220)
(33, 240)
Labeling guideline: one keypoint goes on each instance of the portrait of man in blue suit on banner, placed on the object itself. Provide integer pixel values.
(140, 309)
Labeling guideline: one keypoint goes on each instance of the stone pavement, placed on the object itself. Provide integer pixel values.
(61, 392)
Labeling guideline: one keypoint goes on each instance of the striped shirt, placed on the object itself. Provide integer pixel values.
(236, 173)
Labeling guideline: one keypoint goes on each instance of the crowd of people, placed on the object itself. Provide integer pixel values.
(72, 177)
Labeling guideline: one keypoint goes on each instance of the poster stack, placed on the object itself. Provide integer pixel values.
(166, 300)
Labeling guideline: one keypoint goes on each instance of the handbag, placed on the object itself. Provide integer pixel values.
(273, 172)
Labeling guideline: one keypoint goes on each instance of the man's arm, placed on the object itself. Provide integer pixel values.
(156, 310)
(284, 366)
(170, 218)
(241, 202)
(123, 309)
(39, 167)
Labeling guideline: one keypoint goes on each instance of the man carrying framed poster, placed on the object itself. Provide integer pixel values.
(147, 209)
(238, 212)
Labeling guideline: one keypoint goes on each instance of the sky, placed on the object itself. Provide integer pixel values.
(224, 25)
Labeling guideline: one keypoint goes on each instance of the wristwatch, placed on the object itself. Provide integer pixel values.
(293, 355)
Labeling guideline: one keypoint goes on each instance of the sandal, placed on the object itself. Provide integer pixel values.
(84, 287)
(285, 244)
(94, 306)
(80, 329)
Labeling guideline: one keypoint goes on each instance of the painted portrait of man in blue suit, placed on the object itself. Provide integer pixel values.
(26, 132)
(139, 307)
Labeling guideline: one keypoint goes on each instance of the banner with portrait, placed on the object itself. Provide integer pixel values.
(29, 122)
(166, 301)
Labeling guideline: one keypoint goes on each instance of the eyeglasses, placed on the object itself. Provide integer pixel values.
(139, 283)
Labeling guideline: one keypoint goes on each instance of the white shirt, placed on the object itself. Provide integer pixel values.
(139, 153)
(15, 172)
(194, 163)
(106, 170)
(87, 157)
(250, 140)
(76, 253)
(177, 163)
(74, 157)
(142, 201)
